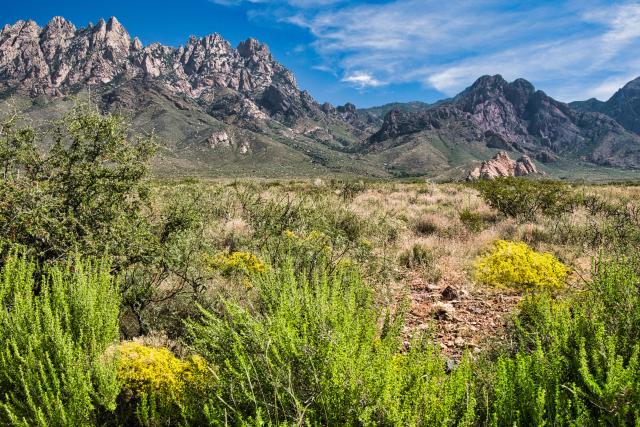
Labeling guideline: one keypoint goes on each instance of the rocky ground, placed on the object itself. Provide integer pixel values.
(463, 319)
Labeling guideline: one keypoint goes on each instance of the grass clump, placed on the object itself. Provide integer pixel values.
(473, 221)
(515, 264)
(418, 256)
(425, 226)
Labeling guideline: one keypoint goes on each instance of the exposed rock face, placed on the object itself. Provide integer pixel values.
(501, 165)
(516, 117)
(219, 139)
(59, 57)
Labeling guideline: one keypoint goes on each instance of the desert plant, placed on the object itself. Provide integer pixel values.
(320, 351)
(235, 263)
(57, 364)
(417, 256)
(158, 388)
(425, 226)
(474, 221)
(575, 361)
(84, 194)
(524, 198)
(516, 264)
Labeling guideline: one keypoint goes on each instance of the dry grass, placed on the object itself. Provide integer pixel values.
(398, 218)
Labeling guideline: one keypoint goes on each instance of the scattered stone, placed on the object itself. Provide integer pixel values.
(449, 294)
(443, 311)
(459, 342)
(451, 365)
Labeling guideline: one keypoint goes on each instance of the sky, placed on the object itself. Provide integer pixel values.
(378, 51)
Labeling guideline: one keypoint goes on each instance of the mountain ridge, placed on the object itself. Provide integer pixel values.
(237, 111)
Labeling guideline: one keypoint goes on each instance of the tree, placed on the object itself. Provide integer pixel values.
(84, 194)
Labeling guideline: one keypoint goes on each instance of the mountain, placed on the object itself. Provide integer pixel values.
(623, 106)
(493, 113)
(216, 109)
(220, 110)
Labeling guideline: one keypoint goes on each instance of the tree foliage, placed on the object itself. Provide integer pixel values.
(83, 194)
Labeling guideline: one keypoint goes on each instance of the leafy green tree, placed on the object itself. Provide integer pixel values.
(84, 194)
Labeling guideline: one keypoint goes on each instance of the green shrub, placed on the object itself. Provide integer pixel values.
(425, 226)
(524, 198)
(474, 221)
(349, 189)
(418, 256)
(575, 361)
(84, 194)
(56, 365)
(320, 351)
(516, 264)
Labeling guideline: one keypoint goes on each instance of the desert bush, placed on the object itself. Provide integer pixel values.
(310, 231)
(425, 226)
(516, 264)
(56, 366)
(348, 190)
(576, 360)
(235, 263)
(417, 256)
(158, 388)
(473, 221)
(84, 194)
(320, 351)
(524, 199)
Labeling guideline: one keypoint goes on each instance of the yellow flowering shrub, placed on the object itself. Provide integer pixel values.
(152, 370)
(516, 264)
(234, 263)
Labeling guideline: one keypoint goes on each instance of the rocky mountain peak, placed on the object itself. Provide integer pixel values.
(623, 106)
(55, 59)
(58, 23)
(252, 48)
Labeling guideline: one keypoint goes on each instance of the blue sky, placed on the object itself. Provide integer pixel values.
(373, 52)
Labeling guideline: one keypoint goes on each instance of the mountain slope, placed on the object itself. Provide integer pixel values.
(224, 111)
(191, 95)
(623, 106)
(495, 114)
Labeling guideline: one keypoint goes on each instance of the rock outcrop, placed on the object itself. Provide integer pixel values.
(501, 165)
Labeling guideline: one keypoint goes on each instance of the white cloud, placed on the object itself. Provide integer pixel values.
(609, 86)
(294, 3)
(362, 80)
(570, 48)
(563, 47)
